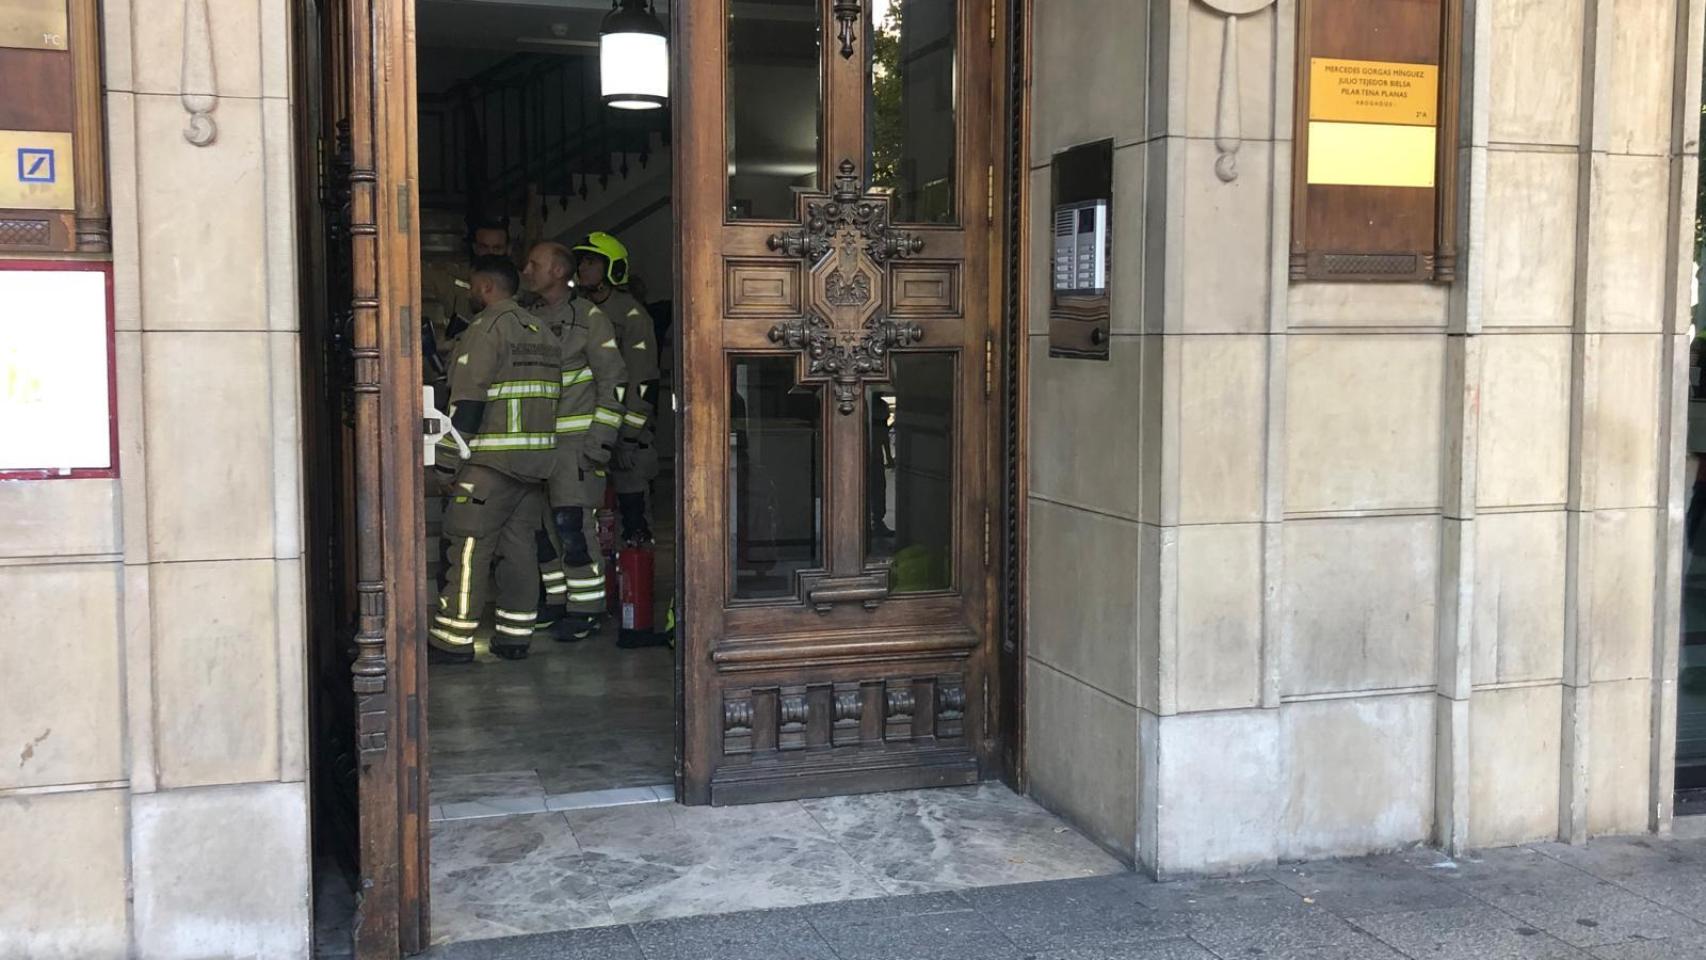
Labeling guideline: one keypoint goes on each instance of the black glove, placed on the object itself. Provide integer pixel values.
(443, 472)
(595, 456)
(626, 452)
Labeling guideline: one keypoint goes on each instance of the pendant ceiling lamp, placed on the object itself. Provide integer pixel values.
(633, 57)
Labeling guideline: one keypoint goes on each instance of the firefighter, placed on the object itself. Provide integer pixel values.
(504, 383)
(445, 289)
(601, 273)
(589, 414)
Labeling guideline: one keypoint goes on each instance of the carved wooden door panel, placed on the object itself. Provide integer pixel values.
(833, 189)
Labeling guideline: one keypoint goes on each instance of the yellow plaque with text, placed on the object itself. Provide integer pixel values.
(35, 171)
(33, 24)
(1370, 91)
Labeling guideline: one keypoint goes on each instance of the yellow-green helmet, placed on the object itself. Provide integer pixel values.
(611, 249)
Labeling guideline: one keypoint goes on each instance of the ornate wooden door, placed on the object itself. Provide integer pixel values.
(834, 191)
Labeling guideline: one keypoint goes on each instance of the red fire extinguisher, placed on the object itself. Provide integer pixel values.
(607, 547)
(635, 574)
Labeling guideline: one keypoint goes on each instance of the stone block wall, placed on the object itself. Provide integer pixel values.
(154, 803)
(1364, 564)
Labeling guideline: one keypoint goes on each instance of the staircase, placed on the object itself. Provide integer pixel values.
(530, 139)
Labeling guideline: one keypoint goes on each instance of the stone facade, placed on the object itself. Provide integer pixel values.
(153, 705)
(1364, 565)
(1314, 569)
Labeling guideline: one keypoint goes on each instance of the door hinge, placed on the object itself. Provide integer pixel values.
(406, 315)
(402, 208)
(989, 197)
(988, 712)
(992, 23)
(988, 365)
(986, 538)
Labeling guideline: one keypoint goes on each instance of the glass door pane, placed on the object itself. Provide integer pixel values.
(774, 116)
(911, 107)
(909, 473)
(775, 477)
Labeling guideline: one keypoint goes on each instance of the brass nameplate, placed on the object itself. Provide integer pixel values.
(1368, 91)
(33, 24)
(1371, 123)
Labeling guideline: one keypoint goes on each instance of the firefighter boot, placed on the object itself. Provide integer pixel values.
(575, 627)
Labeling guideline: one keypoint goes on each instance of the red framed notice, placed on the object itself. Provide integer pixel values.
(58, 384)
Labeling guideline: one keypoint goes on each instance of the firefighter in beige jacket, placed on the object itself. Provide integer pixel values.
(589, 414)
(505, 378)
(601, 274)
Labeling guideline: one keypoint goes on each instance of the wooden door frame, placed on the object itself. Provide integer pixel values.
(370, 72)
(389, 675)
(1010, 300)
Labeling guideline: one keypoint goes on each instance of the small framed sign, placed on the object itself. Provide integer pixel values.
(1375, 168)
(58, 389)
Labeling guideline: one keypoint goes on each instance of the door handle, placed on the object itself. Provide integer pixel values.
(435, 426)
(868, 590)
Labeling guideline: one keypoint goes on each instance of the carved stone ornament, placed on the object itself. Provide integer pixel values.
(1228, 119)
(196, 86)
(846, 243)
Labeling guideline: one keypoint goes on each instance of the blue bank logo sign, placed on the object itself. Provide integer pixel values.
(36, 170)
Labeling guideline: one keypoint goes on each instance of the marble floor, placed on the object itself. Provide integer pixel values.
(573, 724)
(552, 808)
(573, 719)
(570, 869)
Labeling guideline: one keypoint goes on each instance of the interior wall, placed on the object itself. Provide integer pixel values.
(1366, 564)
(153, 701)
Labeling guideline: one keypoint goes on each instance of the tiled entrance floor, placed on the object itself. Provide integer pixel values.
(517, 736)
(568, 869)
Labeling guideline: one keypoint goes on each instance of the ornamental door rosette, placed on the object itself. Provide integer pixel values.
(846, 242)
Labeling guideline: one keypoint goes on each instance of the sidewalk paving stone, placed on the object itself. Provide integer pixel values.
(1370, 885)
(930, 936)
(1628, 899)
(1467, 933)
(1077, 914)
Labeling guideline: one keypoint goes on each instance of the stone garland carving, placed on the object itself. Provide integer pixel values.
(1228, 120)
(197, 87)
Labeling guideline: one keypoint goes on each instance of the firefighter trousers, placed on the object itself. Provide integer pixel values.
(490, 514)
(570, 571)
